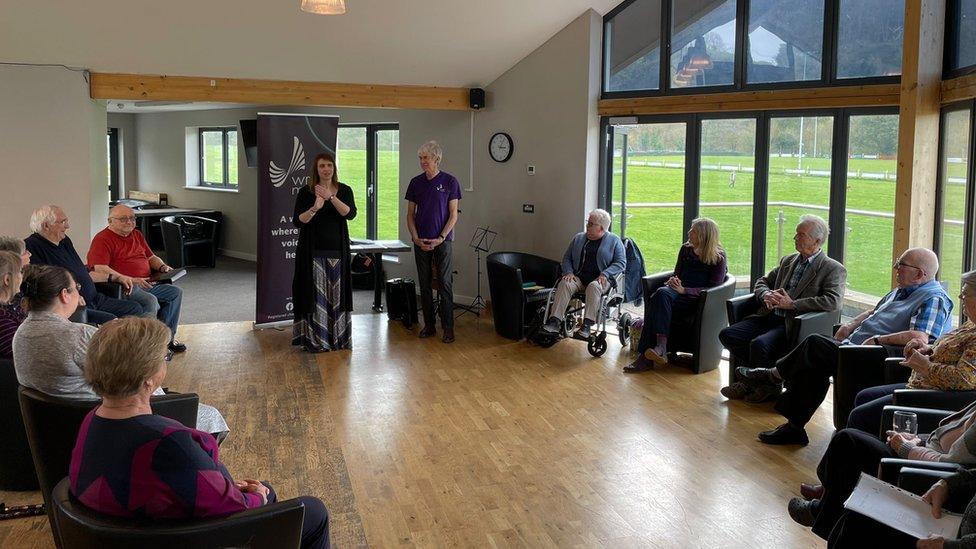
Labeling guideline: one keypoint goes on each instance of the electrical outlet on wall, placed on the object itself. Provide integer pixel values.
(528, 208)
(530, 169)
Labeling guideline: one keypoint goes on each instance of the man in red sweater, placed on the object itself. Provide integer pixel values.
(121, 252)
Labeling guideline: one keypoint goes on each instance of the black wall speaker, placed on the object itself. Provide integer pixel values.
(477, 97)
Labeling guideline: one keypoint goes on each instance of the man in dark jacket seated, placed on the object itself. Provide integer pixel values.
(49, 245)
(593, 259)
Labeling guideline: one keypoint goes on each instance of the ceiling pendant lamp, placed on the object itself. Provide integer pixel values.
(324, 7)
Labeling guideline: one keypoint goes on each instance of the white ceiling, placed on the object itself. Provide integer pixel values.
(421, 42)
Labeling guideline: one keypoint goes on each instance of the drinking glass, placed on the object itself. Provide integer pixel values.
(905, 422)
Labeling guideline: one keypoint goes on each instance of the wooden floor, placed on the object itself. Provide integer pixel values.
(490, 442)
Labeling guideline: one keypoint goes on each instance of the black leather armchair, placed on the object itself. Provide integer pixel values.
(860, 367)
(696, 334)
(190, 240)
(797, 329)
(110, 289)
(928, 418)
(511, 307)
(16, 465)
(932, 398)
(52, 425)
(274, 525)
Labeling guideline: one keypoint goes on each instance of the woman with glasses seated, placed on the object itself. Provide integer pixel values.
(49, 350)
(701, 265)
(128, 462)
(11, 315)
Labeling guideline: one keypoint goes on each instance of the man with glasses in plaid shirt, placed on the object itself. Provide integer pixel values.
(919, 308)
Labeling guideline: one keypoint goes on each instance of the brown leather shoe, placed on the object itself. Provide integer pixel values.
(448, 335)
(428, 331)
(811, 491)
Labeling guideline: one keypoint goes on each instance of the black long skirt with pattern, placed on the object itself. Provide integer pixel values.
(327, 327)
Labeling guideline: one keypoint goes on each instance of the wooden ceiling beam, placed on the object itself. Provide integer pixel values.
(878, 95)
(157, 87)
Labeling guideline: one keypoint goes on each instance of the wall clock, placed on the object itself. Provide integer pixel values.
(501, 147)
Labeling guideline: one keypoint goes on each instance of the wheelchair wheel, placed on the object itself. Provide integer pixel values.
(598, 345)
(623, 329)
(569, 323)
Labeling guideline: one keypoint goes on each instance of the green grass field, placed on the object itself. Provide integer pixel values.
(869, 238)
(352, 172)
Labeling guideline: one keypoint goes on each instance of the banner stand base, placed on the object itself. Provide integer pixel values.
(273, 325)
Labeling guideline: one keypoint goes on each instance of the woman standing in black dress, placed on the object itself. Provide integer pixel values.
(322, 289)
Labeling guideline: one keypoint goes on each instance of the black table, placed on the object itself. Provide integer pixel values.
(377, 248)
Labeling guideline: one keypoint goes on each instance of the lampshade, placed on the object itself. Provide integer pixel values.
(324, 7)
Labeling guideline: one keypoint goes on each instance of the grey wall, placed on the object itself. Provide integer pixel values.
(52, 149)
(547, 103)
(126, 123)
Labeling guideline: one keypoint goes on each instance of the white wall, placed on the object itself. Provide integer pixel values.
(52, 149)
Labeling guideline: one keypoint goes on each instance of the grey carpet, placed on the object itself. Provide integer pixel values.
(227, 293)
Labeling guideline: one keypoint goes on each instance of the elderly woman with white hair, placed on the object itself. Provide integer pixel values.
(593, 260)
(432, 210)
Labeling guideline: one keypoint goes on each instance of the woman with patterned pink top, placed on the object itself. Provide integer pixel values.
(11, 315)
(128, 462)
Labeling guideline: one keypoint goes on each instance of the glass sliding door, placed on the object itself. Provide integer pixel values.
(799, 179)
(869, 226)
(953, 177)
(727, 172)
(351, 163)
(647, 183)
(388, 183)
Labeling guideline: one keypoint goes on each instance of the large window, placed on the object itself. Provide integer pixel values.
(368, 161)
(869, 227)
(800, 159)
(869, 38)
(702, 43)
(755, 174)
(954, 223)
(648, 190)
(633, 45)
(218, 157)
(785, 40)
(727, 168)
(661, 47)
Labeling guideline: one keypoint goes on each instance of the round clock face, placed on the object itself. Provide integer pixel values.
(501, 147)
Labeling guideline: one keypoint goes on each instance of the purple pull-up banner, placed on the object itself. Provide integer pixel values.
(287, 143)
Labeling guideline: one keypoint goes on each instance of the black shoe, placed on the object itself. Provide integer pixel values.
(757, 376)
(803, 512)
(584, 331)
(448, 335)
(176, 346)
(428, 331)
(639, 365)
(552, 325)
(736, 391)
(785, 434)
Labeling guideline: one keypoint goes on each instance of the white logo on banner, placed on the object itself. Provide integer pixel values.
(278, 175)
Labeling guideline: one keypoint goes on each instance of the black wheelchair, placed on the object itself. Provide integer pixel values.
(608, 310)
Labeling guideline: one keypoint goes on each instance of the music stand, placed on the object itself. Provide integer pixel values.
(482, 241)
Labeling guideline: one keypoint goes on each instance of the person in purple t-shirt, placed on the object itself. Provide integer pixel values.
(432, 210)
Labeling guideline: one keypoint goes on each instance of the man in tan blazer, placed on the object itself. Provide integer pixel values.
(803, 282)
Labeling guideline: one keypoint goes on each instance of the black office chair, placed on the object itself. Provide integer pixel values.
(696, 334)
(513, 308)
(189, 240)
(16, 464)
(273, 525)
(52, 425)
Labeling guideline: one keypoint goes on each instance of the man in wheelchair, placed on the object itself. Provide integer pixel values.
(594, 260)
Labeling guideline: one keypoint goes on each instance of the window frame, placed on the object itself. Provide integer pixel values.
(828, 64)
(836, 218)
(114, 163)
(950, 49)
(224, 131)
(969, 223)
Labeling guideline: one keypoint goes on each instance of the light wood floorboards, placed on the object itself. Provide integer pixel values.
(490, 442)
